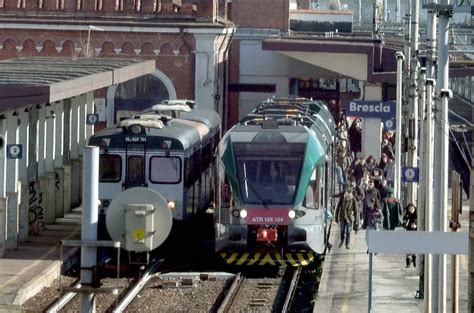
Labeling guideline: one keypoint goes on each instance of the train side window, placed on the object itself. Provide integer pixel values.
(311, 200)
(165, 170)
(110, 168)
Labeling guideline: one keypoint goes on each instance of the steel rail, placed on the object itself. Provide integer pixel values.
(233, 290)
(292, 289)
(63, 301)
(150, 273)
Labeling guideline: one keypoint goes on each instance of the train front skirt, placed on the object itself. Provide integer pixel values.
(302, 258)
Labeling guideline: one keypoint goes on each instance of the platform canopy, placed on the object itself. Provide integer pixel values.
(36, 80)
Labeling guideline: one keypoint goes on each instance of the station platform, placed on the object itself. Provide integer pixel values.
(36, 263)
(344, 281)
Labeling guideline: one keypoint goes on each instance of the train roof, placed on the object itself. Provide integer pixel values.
(183, 132)
(294, 112)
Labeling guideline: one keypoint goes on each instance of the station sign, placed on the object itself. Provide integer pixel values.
(389, 124)
(14, 151)
(92, 119)
(410, 174)
(384, 110)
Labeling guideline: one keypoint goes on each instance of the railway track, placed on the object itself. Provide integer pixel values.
(125, 292)
(261, 294)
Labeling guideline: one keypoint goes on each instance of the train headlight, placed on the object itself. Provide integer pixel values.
(235, 213)
(171, 205)
(135, 129)
(243, 213)
(105, 203)
(291, 214)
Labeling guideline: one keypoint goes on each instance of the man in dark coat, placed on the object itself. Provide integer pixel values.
(355, 136)
(392, 211)
(371, 193)
(347, 216)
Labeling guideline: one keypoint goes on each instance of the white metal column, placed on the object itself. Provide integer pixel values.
(50, 138)
(89, 110)
(24, 140)
(41, 157)
(74, 128)
(3, 204)
(11, 183)
(59, 134)
(82, 122)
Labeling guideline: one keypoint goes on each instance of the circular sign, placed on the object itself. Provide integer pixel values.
(91, 119)
(388, 123)
(15, 150)
(410, 173)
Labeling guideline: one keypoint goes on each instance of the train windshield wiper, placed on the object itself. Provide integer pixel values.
(259, 196)
(255, 191)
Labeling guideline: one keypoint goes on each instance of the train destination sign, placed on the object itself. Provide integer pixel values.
(135, 139)
(384, 110)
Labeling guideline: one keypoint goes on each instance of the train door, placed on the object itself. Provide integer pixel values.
(135, 166)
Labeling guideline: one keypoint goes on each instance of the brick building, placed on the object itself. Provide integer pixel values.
(188, 39)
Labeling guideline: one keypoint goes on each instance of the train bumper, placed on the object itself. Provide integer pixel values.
(299, 258)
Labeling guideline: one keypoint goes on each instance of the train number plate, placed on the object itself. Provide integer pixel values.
(267, 216)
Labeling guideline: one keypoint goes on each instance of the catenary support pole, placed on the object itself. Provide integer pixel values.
(422, 184)
(398, 146)
(90, 196)
(397, 12)
(429, 159)
(441, 157)
(412, 159)
(429, 152)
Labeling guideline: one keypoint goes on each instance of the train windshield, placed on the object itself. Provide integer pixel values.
(268, 174)
(109, 168)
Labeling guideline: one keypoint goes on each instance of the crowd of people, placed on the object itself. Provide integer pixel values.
(366, 196)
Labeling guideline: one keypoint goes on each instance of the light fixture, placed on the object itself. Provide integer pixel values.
(291, 214)
(243, 213)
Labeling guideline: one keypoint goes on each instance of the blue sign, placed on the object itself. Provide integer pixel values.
(410, 174)
(384, 110)
(14, 151)
(92, 119)
(390, 124)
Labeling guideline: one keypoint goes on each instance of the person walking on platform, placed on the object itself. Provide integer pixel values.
(409, 223)
(358, 194)
(371, 193)
(347, 217)
(392, 211)
(373, 218)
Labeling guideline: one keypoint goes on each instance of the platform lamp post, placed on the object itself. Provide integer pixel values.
(87, 53)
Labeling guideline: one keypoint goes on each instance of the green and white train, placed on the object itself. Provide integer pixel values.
(276, 178)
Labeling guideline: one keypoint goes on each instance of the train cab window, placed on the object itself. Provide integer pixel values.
(110, 168)
(135, 171)
(165, 170)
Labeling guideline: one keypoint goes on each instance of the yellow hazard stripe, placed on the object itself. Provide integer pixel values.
(267, 259)
(243, 258)
(279, 258)
(302, 260)
(232, 258)
(255, 259)
(290, 259)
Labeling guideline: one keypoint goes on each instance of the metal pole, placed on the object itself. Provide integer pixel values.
(422, 185)
(454, 225)
(397, 11)
(412, 159)
(370, 283)
(90, 213)
(429, 159)
(398, 140)
(470, 292)
(441, 158)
